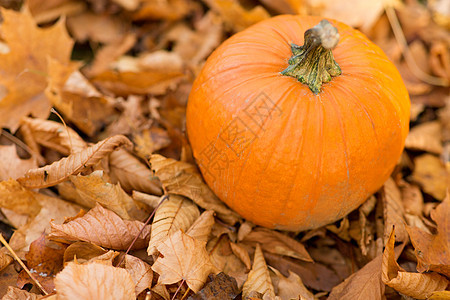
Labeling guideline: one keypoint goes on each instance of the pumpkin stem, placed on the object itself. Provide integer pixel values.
(313, 63)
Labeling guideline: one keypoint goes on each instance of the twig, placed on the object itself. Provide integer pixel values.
(65, 126)
(178, 289)
(400, 37)
(5, 243)
(145, 224)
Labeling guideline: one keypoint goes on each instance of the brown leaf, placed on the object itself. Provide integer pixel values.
(132, 174)
(201, 228)
(278, 243)
(441, 295)
(74, 164)
(103, 228)
(184, 179)
(82, 252)
(54, 135)
(291, 287)
(94, 281)
(415, 285)
(242, 254)
(25, 64)
(363, 284)
(150, 140)
(221, 286)
(393, 211)
(77, 99)
(184, 258)
(44, 260)
(175, 213)
(11, 166)
(425, 137)
(432, 251)
(167, 10)
(15, 197)
(140, 272)
(14, 293)
(93, 189)
(296, 7)
(5, 259)
(431, 174)
(412, 199)
(149, 200)
(258, 279)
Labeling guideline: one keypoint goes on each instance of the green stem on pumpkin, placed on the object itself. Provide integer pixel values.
(313, 63)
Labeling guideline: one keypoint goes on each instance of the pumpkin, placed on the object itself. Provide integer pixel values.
(295, 137)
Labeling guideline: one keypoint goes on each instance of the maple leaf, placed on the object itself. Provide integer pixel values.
(184, 258)
(24, 67)
(432, 251)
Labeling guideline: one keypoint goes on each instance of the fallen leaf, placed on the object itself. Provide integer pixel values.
(361, 285)
(235, 16)
(432, 250)
(393, 211)
(44, 260)
(103, 228)
(24, 67)
(140, 272)
(412, 199)
(150, 140)
(425, 137)
(175, 213)
(431, 174)
(74, 164)
(183, 258)
(415, 285)
(14, 293)
(221, 286)
(11, 166)
(258, 278)
(166, 10)
(242, 254)
(184, 179)
(8, 278)
(54, 135)
(149, 200)
(441, 295)
(15, 197)
(291, 287)
(82, 252)
(277, 243)
(5, 259)
(201, 228)
(45, 11)
(93, 189)
(132, 174)
(94, 281)
(77, 99)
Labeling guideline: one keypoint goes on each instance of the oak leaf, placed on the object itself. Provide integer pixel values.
(103, 228)
(74, 164)
(183, 258)
(184, 179)
(432, 251)
(415, 285)
(175, 213)
(258, 278)
(24, 67)
(94, 281)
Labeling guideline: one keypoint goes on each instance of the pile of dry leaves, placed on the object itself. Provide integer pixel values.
(75, 194)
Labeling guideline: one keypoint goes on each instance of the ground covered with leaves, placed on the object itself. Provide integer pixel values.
(93, 146)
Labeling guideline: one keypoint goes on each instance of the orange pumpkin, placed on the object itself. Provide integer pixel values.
(291, 155)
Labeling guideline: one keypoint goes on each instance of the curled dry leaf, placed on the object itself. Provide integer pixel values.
(140, 272)
(242, 254)
(432, 251)
(291, 287)
(94, 281)
(103, 228)
(425, 137)
(82, 252)
(25, 63)
(132, 174)
(393, 211)
(184, 258)
(361, 285)
(146, 199)
(93, 188)
(14, 293)
(54, 135)
(184, 179)
(202, 227)
(175, 213)
(431, 174)
(11, 166)
(415, 285)
(277, 243)
(74, 164)
(259, 278)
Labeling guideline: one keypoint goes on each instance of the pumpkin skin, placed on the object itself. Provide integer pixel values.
(276, 153)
